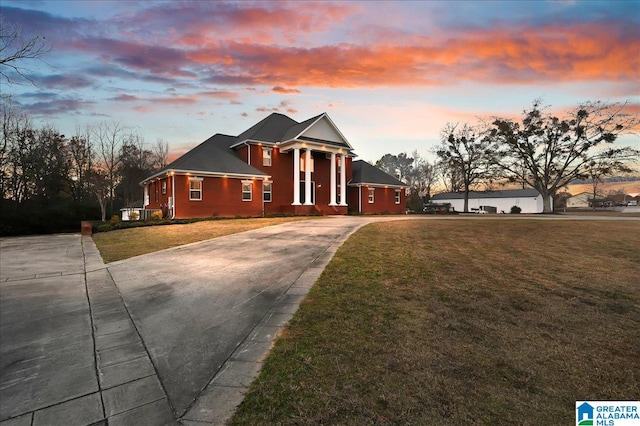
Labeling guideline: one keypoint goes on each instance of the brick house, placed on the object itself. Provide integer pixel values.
(278, 166)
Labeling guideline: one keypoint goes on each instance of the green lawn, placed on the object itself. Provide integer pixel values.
(460, 322)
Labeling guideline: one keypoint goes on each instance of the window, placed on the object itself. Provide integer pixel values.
(371, 198)
(266, 191)
(397, 196)
(246, 190)
(195, 189)
(266, 156)
(338, 200)
(164, 186)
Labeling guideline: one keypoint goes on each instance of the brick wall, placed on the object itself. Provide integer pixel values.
(384, 200)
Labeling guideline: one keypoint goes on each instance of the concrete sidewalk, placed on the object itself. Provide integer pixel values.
(173, 337)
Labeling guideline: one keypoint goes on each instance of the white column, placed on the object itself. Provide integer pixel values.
(296, 176)
(343, 180)
(307, 178)
(332, 201)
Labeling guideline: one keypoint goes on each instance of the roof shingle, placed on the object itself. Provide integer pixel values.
(365, 173)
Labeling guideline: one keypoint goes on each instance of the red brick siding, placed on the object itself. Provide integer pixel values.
(384, 200)
(220, 197)
(281, 172)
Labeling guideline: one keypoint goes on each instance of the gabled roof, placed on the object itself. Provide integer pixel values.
(299, 128)
(366, 174)
(217, 156)
(270, 129)
(278, 128)
(508, 193)
(212, 156)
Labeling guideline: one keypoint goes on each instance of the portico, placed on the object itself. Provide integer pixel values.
(304, 156)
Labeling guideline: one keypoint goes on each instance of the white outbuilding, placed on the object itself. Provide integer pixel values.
(582, 199)
(528, 200)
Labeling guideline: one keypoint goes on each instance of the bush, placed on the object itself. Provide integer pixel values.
(115, 219)
(105, 227)
(515, 210)
(134, 216)
(157, 215)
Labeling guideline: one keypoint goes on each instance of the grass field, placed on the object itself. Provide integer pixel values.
(460, 322)
(126, 243)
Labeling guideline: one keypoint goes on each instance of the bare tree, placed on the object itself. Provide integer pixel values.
(467, 152)
(81, 159)
(160, 154)
(422, 175)
(15, 151)
(554, 151)
(136, 163)
(109, 138)
(608, 163)
(16, 48)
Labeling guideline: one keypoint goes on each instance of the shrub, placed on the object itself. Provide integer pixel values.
(115, 219)
(515, 210)
(105, 227)
(157, 215)
(134, 216)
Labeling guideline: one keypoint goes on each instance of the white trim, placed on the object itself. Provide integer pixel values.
(398, 195)
(206, 174)
(296, 177)
(250, 192)
(199, 190)
(248, 141)
(343, 180)
(307, 178)
(270, 192)
(332, 200)
(371, 194)
(267, 149)
(377, 185)
(173, 196)
(323, 115)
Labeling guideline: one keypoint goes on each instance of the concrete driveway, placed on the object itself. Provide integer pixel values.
(170, 337)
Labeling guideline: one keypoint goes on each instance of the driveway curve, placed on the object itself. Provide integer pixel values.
(210, 310)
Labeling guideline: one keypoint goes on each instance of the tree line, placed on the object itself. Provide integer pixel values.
(542, 150)
(49, 181)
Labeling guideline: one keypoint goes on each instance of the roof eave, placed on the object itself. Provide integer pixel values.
(248, 141)
(377, 185)
(174, 172)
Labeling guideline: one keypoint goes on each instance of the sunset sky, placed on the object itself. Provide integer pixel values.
(390, 74)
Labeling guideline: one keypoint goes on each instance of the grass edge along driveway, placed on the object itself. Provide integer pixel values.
(460, 322)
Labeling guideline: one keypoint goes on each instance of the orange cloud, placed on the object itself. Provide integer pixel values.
(575, 52)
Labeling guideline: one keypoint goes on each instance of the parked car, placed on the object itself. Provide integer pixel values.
(632, 203)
